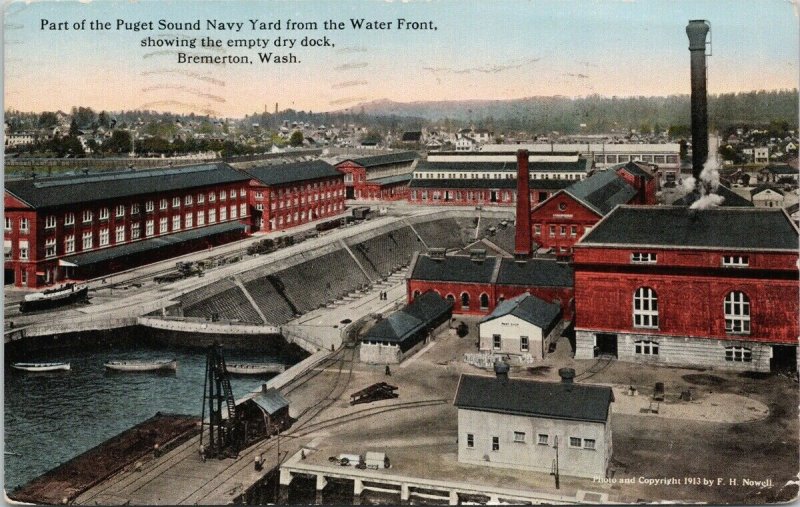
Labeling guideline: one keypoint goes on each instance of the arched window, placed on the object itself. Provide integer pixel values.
(737, 313)
(484, 301)
(451, 297)
(645, 308)
(464, 301)
(416, 293)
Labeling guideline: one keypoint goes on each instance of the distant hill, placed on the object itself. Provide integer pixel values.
(599, 114)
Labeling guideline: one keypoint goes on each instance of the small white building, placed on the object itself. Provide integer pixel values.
(532, 425)
(523, 325)
(767, 196)
(761, 155)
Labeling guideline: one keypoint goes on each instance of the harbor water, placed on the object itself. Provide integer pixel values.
(52, 417)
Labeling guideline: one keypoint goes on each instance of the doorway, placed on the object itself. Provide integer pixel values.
(606, 345)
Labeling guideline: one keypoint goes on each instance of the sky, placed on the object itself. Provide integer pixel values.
(479, 50)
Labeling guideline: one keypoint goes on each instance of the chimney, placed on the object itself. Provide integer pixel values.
(522, 245)
(567, 375)
(640, 189)
(501, 370)
(697, 30)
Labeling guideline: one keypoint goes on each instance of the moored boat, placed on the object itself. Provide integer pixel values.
(136, 365)
(51, 298)
(254, 368)
(41, 367)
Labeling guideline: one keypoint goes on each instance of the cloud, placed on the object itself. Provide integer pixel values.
(182, 88)
(579, 76)
(347, 84)
(486, 69)
(187, 73)
(347, 100)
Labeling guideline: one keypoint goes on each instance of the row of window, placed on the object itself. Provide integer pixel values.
(280, 204)
(560, 230)
(300, 216)
(541, 439)
(733, 353)
(308, 188)
(728, 261)
(658, 159)
(259, 195)
(736, 308)
(178, 222)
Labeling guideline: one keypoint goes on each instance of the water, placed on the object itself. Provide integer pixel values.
(52, 417)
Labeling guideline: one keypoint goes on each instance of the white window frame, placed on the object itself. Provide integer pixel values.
(736, 309)
(50, 222)
(738, 354)
(187, 201)
(470, 441)
(589, 444)
(8, 224)
(188, 220)
(646, 347)
(524, 344)
(543, 439)
(163, 204)
(735, 261)
(495, 444)
(233, 211)
(69, 218)
(149, 206)
(223, 213)
(105, 236)
(201, 218)
(50, 247)
(120, 211)
(104, 214)
(135, 209)
(497, 342)
(212, 197)
(87, 240)
(201, 198)
(119, 234)
(136, 230)
(69, 243)
(243, 210)
(163, 224)
(575, 442)
(519, 437)
(644, 257)
(150, 228)
(176, 223)
(87, 216)
(212, 216)
(645, 308)
(23, 251)
(176, 202)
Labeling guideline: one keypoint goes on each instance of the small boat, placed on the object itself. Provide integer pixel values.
(135, 365)
(254, 368)
(41, 367)
(57, 296)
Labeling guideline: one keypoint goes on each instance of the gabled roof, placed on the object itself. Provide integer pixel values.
(270, 400)
(65, 190)
(602, 191)
(535, 273)
(405, 323)
(390, 158)
(673, 226)
(528, 308)
(454, 268)
(553, 400)
(428, 307)
(731, 198)
(763, 187)
(290, 173)
(635, 168)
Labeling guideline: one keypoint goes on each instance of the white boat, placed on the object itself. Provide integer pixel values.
(254, 368)
(41, 367)
(144, 365)
(52, 298)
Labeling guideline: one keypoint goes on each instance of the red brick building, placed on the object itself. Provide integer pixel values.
(285, 196)
(712, 288)
(78, 227)
(476, 284)
(559, 222)
(378, 176)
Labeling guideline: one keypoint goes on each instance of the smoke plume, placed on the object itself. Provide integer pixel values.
(707, 186)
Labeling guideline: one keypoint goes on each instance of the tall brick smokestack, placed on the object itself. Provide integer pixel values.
(522, 245)
(697, 30)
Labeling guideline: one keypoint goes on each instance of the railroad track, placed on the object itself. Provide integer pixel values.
(600, 365)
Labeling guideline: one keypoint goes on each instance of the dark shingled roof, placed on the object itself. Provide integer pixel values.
(781, 169)
(731, 198)
(412, 136)
(634, 168)
(554, 400)
(765, 186)
(672, 226)
(290, 173)
(390, 158)
(535, 273)
(425, 309)
(454, 268)
(602, 191)
(428, 307)
(64, 190)
(151, 244)
(528, 308)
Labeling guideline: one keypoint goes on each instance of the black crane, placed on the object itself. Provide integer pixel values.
(223, 433)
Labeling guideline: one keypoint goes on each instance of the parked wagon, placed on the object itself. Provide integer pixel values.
(375, 392)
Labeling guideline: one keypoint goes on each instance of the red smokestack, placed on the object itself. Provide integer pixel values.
(522, 246)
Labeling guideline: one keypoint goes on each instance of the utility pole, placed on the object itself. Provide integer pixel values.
(555, 463)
